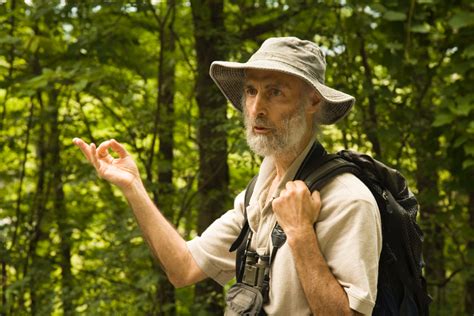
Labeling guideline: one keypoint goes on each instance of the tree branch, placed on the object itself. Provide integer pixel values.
(372, 128)
(270, 25)
(10, 61)
(22, 176)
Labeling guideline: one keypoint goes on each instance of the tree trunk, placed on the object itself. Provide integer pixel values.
(371, 124)
(10, 61)
(60, 210)
(433, 245)
(38, 210)
(3, 309)
(213, 177)
(469, 286)
(39, 200)
(165, 127)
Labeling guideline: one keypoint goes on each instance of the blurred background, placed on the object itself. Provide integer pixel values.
(138, 72)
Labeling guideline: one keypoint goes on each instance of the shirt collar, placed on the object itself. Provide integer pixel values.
(267, 171)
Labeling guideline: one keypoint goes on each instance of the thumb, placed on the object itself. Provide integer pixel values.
(316, 197)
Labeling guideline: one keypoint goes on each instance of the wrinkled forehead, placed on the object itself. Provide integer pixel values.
(276, 78)
(270, 77)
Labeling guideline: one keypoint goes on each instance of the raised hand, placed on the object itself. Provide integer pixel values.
(296, 209)
(121, 171)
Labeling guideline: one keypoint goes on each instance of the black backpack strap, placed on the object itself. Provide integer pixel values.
(245, 227)
(319, 167)
(331, 166)
(245, 234)
(249, 192)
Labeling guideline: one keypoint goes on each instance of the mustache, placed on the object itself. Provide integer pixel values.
(259, 121)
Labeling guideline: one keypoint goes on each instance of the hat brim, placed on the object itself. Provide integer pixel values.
(230, 76)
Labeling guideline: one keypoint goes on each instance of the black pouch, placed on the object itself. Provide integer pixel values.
(242, 299)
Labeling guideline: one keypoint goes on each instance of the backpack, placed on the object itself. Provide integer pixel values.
(401, 287)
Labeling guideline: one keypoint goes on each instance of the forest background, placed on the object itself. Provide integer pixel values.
(138, 72)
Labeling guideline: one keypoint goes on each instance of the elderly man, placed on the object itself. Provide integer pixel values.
(329, 262)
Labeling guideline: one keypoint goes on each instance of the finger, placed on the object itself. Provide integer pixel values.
(300, 187)
(316, 198)
(281, 194)
(94, 159)
(299, 184)
(76, 141)
(118, 148)
(102, 150)
(84, 148)
(290, 185)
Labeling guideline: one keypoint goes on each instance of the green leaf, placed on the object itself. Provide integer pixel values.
(470, 128)
(421, 28)
(7, 39)
(463, 109)
(468, 163)
(468, 52)
(394, 45)
(459, 141)
(34, 43)
(469, 149)
(461, 19)
(394, 16)
(80, 85)
(378, 7)
(443, 119)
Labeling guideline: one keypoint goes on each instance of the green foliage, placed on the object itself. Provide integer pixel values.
(91, 69)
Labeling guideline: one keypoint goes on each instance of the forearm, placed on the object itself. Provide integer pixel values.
(323, 292)
(164, 241)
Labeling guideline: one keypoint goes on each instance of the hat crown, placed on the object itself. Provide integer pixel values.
(290, 55)
(302, 54)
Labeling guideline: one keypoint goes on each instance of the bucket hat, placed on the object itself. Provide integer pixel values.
(290, 55)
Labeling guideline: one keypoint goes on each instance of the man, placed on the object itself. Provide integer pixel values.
(329, 263)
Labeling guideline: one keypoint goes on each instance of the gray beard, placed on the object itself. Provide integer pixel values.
(280, 142)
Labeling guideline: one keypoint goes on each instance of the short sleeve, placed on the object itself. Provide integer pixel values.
(211, 249)
(349, 233)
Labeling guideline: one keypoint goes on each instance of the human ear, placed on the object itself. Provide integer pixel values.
(314, 101)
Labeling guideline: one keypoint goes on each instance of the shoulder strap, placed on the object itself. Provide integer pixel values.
(245, 228)
(249, 191)
(239, 244)
(319, 167)
(331, 166)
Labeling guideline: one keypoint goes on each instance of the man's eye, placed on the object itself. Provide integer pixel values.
(251, 91)
(275, 92)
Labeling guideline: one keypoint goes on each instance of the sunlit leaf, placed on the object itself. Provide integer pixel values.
(443, 119)
(394, 16)
(468, 51)
(80, 85)
(462, 19)
(420, 28)
(468, 164)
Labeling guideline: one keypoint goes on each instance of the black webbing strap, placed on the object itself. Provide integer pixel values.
(245, 228)
(245, 234)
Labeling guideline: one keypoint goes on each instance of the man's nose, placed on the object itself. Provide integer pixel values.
(258, 106)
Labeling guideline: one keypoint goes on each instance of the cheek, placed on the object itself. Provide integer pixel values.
(284, 116)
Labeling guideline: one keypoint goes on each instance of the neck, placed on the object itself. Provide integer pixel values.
(283, 161)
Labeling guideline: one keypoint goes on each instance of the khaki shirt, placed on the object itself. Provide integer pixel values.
(348, 230)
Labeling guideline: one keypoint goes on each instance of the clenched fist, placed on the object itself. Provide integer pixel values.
(296, 209)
